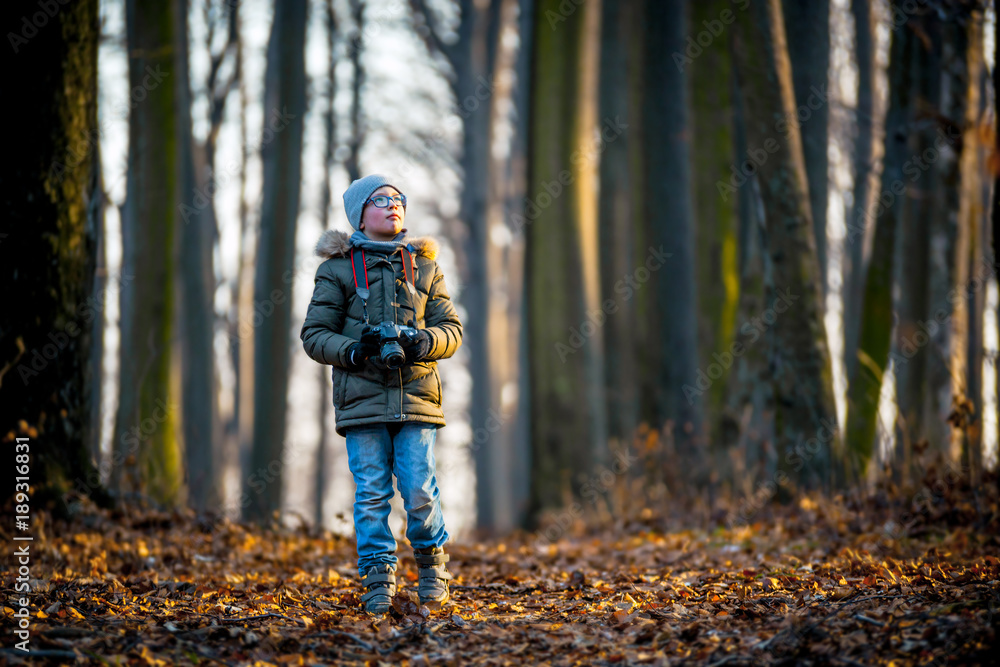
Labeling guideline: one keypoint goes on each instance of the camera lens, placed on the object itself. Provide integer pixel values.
(392, 355)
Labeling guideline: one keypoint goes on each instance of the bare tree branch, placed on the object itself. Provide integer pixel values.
(428, 30)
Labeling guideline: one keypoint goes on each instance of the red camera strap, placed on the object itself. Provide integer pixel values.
(358, 258)
(358, 266)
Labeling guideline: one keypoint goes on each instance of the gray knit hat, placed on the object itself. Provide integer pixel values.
(358, 193)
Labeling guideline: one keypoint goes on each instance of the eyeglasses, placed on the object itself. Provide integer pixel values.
(382, 201)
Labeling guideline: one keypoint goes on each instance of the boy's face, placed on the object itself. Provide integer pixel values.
(382, 224)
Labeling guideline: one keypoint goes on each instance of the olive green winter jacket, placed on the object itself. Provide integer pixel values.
(335, 319)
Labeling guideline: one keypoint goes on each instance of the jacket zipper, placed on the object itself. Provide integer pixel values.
(395, 317)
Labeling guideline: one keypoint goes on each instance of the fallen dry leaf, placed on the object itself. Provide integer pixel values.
(818, 580)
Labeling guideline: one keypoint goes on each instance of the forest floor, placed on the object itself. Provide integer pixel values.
(910, 579)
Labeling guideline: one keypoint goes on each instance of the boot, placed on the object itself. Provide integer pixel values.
(381, 584)
(433, 576)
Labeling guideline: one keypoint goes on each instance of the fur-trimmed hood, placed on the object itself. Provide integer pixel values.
(335, 243)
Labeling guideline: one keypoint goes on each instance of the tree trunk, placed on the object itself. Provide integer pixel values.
(53, 212)
(995, 213)
(505, 273)
(483, 266)
(805, 418)
(967, 415)
(219, 454)
(715, 211)
(516, 178)
(871, 356)
(949, 235)
(197, 292)
(668, 257)
(859, 232)
(100, 295)
(933, 331)
(281, 156)
(330, 135)
(147, 436)
(354, 51)
(238, 430)
(747, 426)
(920, 205)
(475, 63)
(807, 25)
(617, 226)
(568, 425)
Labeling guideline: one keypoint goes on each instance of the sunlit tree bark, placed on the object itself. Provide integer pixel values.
(807, 25)
(568, 425)
(967, 415)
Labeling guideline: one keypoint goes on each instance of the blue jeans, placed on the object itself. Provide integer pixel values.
(376, 452)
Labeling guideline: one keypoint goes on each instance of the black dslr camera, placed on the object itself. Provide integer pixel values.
(389, 337)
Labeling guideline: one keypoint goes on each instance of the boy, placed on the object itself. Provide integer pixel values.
(387, 398)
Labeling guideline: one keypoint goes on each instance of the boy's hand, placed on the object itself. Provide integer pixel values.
(418, 347)
(359, 352)
(355, 358)
(370, 339)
